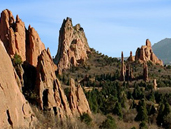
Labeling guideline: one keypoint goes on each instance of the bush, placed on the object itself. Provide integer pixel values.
(143, 125)
(17, 60)
(86, 118)
(109, 123)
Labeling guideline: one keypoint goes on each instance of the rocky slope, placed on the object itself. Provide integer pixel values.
(14, 109)
(72, 47)
(162, 50)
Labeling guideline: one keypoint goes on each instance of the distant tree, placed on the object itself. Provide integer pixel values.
(109, 123)
(86, 118)
(143, 125)
(142, 111)
(118, 110)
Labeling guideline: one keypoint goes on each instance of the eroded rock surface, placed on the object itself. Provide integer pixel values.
(78, 101)
(14, 109)
(72, 47)
(145, 53)
(51, 94)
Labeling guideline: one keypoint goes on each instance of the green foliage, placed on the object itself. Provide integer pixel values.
(118, 110)
(142, 111)
(138, 93)
(143, 125)
(86, 118)
(17, 60)
(109, 123)
(164, 111)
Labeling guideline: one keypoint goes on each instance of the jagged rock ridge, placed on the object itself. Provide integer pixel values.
(18, 40)
(72, 47)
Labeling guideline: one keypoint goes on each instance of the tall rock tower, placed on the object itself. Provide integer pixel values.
(73, 47)
(122, 68)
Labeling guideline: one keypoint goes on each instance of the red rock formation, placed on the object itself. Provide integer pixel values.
(155, 84)
(50, 93)
(72, 47)
(123, 68)
(145, 53)
(34, 46)
(78, 101)
(131, 58)
(12, 33)
(129, 73)
(14, 109)
(145, 72)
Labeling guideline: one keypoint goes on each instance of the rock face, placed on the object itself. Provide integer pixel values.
(72, 47)
(34, 46)
(12, 33)
(123, 68)
(51, 95)
(145, 72)
(14, 109)
(18, 40)
(145, 53)
(78, 101)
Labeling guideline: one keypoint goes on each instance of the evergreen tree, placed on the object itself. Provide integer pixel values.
(160, 114)
(142, 111)
(118, 110)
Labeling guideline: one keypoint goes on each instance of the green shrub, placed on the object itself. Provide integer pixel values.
(17, 60)
(86, 118)
(143, 125)
(109, 123)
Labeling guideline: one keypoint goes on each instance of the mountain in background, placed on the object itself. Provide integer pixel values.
(163, 51)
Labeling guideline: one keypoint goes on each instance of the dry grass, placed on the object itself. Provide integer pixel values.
(48, 121)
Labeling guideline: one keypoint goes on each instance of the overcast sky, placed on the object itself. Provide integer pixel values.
(111, 26)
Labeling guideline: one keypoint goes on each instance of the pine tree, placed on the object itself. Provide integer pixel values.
(118, 110)
(142, 111)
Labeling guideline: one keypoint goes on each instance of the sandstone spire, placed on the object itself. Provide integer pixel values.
(155, 84)
(122, 68)
(78, 101)
(145, 72)
(34, 46)
(131, 58)
(72, 47)
(129, 72)
(51, 94)
(12, 33)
